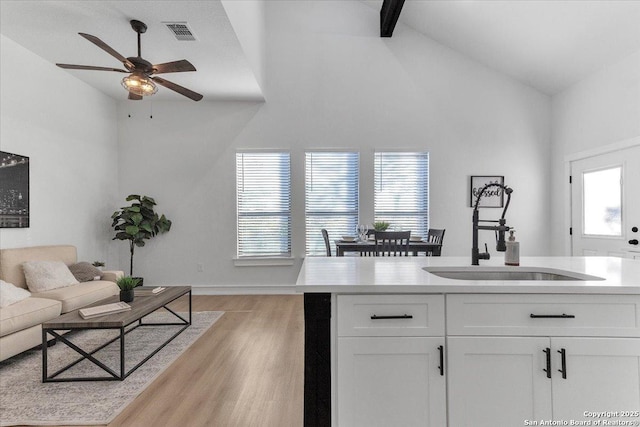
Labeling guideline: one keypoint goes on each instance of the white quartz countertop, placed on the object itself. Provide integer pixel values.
(406, 275)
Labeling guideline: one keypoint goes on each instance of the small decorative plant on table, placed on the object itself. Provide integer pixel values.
(380, 225)
(126, 285)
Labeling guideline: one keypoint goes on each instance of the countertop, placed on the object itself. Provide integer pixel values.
(353, 275)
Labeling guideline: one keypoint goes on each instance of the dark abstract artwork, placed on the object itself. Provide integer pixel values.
(14, 190)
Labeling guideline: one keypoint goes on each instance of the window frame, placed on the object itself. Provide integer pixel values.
(421, 215)
(349, 215)
(256, 258)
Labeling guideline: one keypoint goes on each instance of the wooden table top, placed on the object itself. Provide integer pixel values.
(140, 307)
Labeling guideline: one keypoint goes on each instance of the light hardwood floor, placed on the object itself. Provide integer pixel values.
(246, 370)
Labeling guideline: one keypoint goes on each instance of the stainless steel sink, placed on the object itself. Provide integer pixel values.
(507, 273)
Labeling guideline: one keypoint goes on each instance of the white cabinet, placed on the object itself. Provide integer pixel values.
(502, 381)
(390, 361)
(601, 373)
(497, 381)
(507, 380)
(487, 360)
(389, 381)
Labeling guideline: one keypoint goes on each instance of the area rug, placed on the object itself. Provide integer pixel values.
(24, 399)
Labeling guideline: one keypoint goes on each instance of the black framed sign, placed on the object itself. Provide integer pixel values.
(14, 190)
(493, 197)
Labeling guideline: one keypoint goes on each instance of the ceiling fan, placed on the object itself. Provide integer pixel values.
(140, 81)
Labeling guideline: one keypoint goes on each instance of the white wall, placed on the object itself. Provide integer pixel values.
(601, 110)
(334, 83)
(68, 131)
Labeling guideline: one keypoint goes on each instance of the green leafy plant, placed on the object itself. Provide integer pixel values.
(138, 222)
(97, 264)
(380, 225)
(127, 283)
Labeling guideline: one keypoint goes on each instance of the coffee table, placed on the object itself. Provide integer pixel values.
(141, 306)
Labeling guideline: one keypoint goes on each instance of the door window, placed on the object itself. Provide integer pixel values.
(602, 206)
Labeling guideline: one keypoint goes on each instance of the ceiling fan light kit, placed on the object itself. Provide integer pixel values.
(141, 82)
(138, 84)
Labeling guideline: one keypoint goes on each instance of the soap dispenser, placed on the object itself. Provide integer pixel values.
(512, 255)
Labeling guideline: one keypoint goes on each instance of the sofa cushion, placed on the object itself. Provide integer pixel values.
(77, 296)
(11, 260)
(11, 294)
(45, 275)
(27, 313)
(85, 272)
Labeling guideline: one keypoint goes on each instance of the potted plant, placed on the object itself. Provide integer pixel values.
(138, 222)
(98, 264)
(380, 225)
(126, 285)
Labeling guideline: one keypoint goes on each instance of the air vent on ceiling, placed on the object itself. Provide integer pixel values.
(180, 30)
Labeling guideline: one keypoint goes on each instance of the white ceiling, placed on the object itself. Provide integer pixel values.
(547, 44)
(49, 29)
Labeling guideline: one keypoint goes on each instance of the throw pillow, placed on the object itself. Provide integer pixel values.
(46, 275)
(85, 272)
(11, 294)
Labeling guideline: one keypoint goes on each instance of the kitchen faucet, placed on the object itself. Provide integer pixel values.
(501, 228)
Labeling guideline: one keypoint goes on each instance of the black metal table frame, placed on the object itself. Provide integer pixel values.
(89, 355)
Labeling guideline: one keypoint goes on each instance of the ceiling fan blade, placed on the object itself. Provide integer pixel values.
(173, 67)
(90, 67)
(134, 97)
(177, 88)
(102, 45)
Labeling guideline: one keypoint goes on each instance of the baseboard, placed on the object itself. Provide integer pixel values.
(242, 290)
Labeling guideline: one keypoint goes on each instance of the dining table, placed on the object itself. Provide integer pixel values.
(368, 246)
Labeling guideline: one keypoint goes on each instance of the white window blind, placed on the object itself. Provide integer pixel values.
(331, 197)
(263, 188)
(401, 190)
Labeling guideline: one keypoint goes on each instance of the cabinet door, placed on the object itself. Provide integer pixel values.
(602, 374)
(388, 381)
(497, 381)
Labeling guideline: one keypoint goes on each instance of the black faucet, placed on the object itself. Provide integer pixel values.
(501, 228)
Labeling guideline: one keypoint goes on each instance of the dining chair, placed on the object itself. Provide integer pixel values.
(436, 236)
(327, 245)
(392, 243)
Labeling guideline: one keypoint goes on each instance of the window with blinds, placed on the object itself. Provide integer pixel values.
(263, 191)
(401, 190)
(331, 197)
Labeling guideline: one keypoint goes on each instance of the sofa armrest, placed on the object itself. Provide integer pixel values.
(112, 275)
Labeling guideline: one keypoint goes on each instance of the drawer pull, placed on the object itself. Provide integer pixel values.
(402, 316)
(547, 352)
(552, 316)
(563, 361)
(441, 367)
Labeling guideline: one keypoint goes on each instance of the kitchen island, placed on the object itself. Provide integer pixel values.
(388, 343)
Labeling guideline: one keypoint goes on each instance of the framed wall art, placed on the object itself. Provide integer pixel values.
(492, 197)
(14, 190)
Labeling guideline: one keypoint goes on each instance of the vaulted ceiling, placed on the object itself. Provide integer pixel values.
(548, 45)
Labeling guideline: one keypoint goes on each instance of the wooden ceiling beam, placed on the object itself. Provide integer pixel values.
(389, 15)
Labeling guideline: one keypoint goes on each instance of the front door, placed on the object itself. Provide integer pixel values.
(605, 204)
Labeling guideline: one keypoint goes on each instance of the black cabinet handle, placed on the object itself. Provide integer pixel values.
(402, 316)
(552, 316)
(547, 351)
(441, 367)
(563, 357)
(633, 241)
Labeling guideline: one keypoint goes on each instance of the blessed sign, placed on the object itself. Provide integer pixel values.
(493, 197)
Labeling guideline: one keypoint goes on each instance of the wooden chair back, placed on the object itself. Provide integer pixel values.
(436, 236)
(392, 243)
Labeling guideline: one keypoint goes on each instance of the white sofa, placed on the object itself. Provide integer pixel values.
(20, 323)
